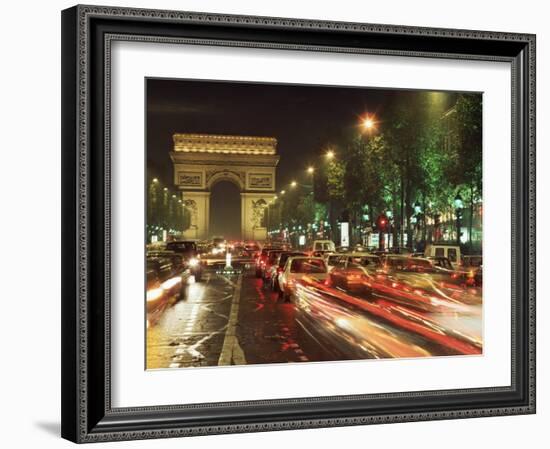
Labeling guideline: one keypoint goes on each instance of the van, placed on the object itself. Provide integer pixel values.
(320, 247)
(450, 251)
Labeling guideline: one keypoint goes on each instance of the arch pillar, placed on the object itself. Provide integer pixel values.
(253, 215)
(198, 205)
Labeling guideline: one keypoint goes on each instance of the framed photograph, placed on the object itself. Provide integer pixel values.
(275, 224)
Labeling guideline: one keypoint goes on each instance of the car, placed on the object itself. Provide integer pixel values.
(332, 259)
(251, 249)
(175, 260)
(351, 271)
(444, 250)
(441, 262)
(320, 247)
(380, 253)
(271, 260)
(472, 261)
(473, 265)
(401, 263)
(164, 282)
(439, 269)
(261, 259)
(400, 250)
(219, 241)
(295, 269)
(277, 267)
(189, 252)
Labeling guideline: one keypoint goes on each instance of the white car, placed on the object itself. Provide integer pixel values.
(298, 267)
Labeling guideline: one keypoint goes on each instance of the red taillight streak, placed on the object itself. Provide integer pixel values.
(384, 310)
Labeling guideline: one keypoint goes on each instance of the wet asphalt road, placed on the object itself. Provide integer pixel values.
(234, 319)
(192, 331)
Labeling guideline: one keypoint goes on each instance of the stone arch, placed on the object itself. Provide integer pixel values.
(202, 160)
(225, 175)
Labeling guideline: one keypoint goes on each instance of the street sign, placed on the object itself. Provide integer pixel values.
(344, 234)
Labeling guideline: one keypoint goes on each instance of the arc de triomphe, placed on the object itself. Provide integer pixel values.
(202, 160)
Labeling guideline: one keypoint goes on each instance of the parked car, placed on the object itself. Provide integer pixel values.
(298, 267)
(189, 252)
(172, 260)
(164, 283)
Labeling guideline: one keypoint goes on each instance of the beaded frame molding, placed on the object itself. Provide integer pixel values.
(87, 34)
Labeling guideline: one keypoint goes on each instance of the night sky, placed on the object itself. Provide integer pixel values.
(304, 119)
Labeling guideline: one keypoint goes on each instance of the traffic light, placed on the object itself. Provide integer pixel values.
(382, 222)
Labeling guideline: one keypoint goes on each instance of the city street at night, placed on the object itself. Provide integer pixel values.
(296, 224)
(233, 319)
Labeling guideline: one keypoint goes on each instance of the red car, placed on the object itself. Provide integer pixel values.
(271, 261)
(261, 260)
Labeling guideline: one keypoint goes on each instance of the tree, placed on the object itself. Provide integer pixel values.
(464, 168)
(403, 131)
(413, 132)
(305, 212)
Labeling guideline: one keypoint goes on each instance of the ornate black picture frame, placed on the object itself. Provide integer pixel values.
(87, 34)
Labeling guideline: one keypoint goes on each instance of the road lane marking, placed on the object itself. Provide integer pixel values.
(259, 307)
(232, 353)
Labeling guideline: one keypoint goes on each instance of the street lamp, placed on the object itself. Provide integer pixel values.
(293, 184)
(330, 154)
(369, 123)
(458, 202)
(458, 209)
(310, 170)
(283, 192)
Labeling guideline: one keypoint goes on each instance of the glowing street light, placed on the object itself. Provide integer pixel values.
(155, 180)
(283, 192)
(369, 123)
(310, 170)
(293, 184)
(330, 154)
